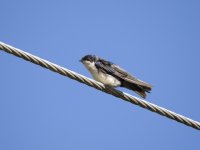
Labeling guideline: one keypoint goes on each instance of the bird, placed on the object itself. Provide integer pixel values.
(112, 75)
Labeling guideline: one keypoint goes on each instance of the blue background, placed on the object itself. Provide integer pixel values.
(157, 41)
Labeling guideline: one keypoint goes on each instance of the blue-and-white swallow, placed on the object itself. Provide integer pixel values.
(112, 75)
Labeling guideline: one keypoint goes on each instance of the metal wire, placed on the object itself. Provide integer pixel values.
(73, 75)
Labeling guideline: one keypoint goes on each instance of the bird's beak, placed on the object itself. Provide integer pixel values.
(81, 61)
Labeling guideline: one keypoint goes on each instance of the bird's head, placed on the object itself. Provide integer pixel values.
(89, 60)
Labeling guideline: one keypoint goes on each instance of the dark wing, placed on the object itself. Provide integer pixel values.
(120, 73)
(104, 66)
(128, 77)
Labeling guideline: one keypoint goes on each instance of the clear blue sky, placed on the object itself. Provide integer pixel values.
(157, 41)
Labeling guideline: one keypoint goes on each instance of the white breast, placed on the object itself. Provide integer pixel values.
(102, 77)
(105, 79)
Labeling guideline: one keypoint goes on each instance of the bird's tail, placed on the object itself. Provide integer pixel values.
(139, 89)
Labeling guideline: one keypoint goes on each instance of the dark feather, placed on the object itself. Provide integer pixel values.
(126, 79)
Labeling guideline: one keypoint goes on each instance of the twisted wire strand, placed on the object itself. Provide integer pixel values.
(90, 82)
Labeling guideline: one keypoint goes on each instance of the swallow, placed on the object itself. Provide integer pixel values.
(114, 76)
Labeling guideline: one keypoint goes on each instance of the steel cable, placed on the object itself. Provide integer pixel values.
(90, 82)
